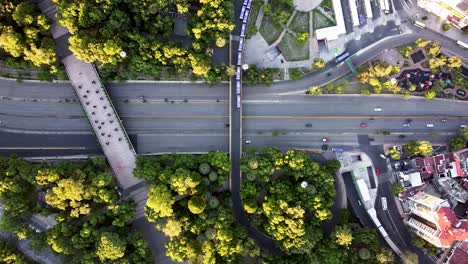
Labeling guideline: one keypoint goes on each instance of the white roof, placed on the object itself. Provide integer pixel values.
(414, 178)
(332, 33)
(363, 190)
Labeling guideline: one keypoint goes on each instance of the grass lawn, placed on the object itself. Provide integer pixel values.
(270, 30)
(300, 22)
(251, 29)
(291, 50)
(321, 21)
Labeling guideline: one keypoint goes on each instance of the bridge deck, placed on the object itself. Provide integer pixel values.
(97, 105)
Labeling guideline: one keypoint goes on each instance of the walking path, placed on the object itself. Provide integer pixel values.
(96, 103)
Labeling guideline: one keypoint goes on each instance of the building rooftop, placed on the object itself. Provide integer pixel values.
(450, 165)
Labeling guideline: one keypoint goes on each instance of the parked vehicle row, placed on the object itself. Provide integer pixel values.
(244, 16)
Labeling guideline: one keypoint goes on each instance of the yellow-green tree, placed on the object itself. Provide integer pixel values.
(454, 62)
(434, 50)
(420, 147)
(394, 153)
(422, 43)
(430, 95)
(437, 62)
(385, 256)
(69, 194)
(110, 247)
(343, 236)
(315, 90)
(319, 63)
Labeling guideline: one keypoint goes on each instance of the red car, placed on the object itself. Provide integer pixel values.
(363, 125)
(377, 172)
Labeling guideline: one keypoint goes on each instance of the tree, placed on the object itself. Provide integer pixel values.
(457, 143)
(437, 62)
(343, 235)
(319, 63)
(173, 228)
(315, 90)
(454, 62)
(159, 203)
(110, 247)
(410, 257)
(445, 27)
(434, 50)
(385, 256)
(397, 189)
(412, 88)
(430, 95)
(9, 255)
(339, 89)
(266, 8)
(220, 42)
(406, 52)
(204, 168)
(414, 148)
(185, 181)
(364, 253)
(302, 37)
(422, 43)
(394, 153)
(196, 204)
(69, 194)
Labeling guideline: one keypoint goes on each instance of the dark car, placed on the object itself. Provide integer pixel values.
(308, 125)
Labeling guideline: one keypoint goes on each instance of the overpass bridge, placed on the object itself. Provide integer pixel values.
(96, 103)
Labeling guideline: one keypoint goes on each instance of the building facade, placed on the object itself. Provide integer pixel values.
(432, 219)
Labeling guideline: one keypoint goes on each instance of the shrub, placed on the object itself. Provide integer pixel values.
(445, 27)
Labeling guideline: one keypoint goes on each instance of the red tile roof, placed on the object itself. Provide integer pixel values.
(449, 233)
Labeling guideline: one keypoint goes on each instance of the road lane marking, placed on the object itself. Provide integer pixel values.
(41, 148)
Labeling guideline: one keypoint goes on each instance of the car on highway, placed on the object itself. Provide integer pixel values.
(443, 120)
(462, 126)
(308, 125)
(406, 125)
(429, 125)
(248, 141)
(383, 156)
(401, 136)
(377, 109)
(363, 125)
(325, 140)
(377, 171)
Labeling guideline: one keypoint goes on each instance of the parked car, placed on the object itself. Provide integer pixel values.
(337, 149)
(384, 203)
(377, 172)
(248, 141)
(383, 156)
(406, 125)
(363, 125)
(429, 125)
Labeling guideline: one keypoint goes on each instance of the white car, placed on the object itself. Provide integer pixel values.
(406, 125)
(462, 126)
(248, 141)
(377, 109)
(384, 203)
(429, 125)
(383, 156)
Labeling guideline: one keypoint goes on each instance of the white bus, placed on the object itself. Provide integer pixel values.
(419, 24)
(462, 44)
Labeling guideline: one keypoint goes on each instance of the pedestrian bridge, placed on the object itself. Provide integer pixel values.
(96, 104)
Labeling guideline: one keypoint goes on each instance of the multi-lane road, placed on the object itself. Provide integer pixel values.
(164, 122)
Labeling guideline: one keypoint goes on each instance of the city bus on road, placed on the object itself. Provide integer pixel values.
(419, 24)
(342, 57)
(462, 44)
